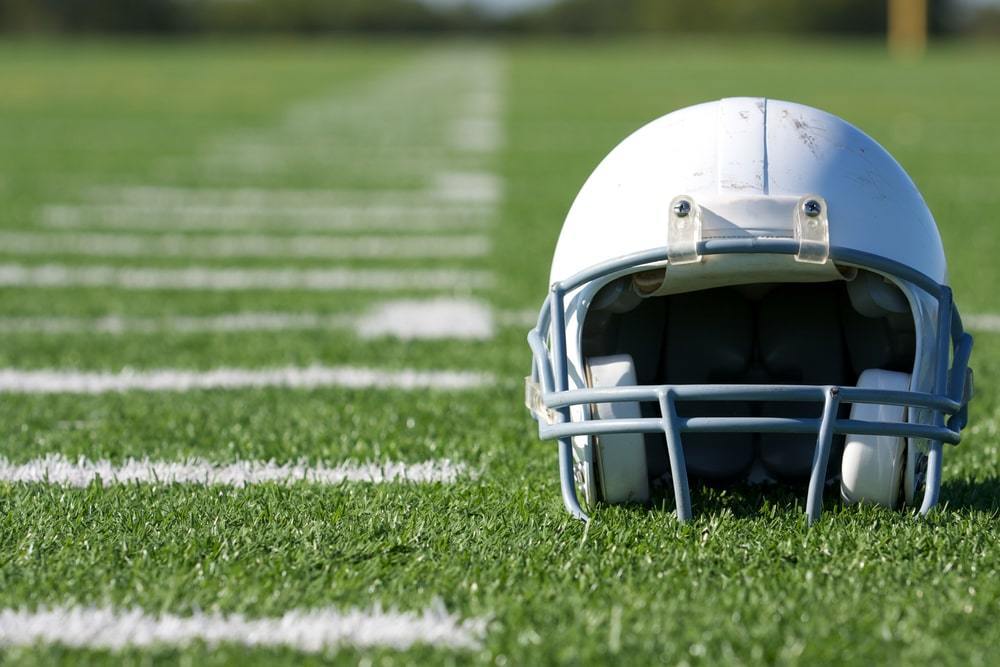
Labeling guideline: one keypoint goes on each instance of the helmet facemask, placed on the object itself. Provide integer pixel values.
(752, 381)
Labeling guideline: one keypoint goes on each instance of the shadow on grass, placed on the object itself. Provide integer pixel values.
(979, 495)
(742, 500)
(771, 500)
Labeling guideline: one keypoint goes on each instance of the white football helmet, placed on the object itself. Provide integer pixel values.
(742, 290)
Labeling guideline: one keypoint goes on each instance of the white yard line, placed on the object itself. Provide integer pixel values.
(244, 245)
(407, 113)
(223, 323)
(985, 322)
(240, 217)
(416, 319)
(58, 470)
(227, 322)
(438, 195)
(447, 190)
(479, 129)
(480, 135)
(248, 198)
(431, 319)
(224, 279)
(306, 630)
(414, 122)
(56, 381)
(472, 187)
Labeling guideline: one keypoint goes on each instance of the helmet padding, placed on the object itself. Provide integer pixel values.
(709, 339)
(786, 333)
(800, 342)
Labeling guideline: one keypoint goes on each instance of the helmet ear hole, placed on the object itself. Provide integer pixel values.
(620, 458)
(873, 466)
(879, 328)
(872, 295)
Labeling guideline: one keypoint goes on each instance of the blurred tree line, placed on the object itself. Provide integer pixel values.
(700, 16)
(395, 16)
(193, 16)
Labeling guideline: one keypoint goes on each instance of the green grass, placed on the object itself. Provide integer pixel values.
(745, 583)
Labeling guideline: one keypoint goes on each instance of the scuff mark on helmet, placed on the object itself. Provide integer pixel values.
(805, 132)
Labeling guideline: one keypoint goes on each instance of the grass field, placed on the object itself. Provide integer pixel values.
(216, 254)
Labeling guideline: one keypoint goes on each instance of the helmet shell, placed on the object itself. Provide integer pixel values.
(748, 148)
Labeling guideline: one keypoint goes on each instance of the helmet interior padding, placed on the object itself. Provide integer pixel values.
(791, 333)
(711, 343)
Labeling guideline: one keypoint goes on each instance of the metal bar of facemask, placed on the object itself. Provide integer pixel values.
(821, 458)
(561, 381)
(932, 488)
(675, 451)
(728, 392)
(750, 425)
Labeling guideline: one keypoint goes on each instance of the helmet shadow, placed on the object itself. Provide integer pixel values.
(744, 501)
(976, 495)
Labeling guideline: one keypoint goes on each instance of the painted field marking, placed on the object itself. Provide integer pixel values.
(117, 325)
(55, 381)
(458, 195)
(244, 245)
(479, 128)
(406, 319)
(472, 187)
(249, 198)
(440, 193)
(477, 134)
(448, 191)
(306, 630)
(58, 470)
(412, 107)
(432, 319)
(239, 217)
(231, 279)
(985, 322)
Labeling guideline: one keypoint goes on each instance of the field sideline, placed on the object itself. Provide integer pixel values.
(264, 309)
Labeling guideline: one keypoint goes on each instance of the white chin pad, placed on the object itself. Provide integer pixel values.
(620, 457)
(872, 464)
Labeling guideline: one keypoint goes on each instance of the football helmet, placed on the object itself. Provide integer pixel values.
(745, 290)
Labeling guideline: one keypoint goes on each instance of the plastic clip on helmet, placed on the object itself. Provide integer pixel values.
(746, 290)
